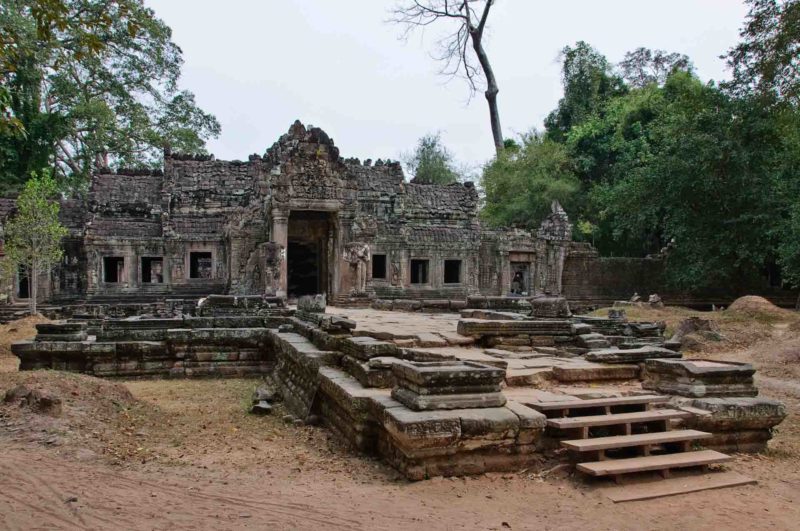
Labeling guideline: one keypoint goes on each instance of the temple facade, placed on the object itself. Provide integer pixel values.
(301, 219)
(298, 220)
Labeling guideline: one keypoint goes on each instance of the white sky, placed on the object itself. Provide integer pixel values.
(260, 64)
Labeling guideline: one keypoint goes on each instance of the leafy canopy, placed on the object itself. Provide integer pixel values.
(646, 158)
(97, 87)
(431, 162)
(523, 180)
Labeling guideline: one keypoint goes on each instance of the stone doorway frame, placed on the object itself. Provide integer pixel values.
(280, 235)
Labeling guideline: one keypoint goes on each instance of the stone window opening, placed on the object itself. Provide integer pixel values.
(379, 266)
(152, 270)
(419, 271)
(452, 271)
(200, 264)
(113, 267)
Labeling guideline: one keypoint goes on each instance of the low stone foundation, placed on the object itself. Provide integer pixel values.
(741, 424)
(146, 348)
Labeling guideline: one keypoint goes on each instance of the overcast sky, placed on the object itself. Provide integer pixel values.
(260, 64)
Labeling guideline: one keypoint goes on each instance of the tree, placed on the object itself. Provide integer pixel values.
(91, 95)
(588, 83)
(766, 61)
(701, 173)
(643, 66)
(431, 162)
(33, 236)
(520, 184)
(46, 17)
(454, 49)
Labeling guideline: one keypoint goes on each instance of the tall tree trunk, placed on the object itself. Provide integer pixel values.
(33, 285)
(491, 89)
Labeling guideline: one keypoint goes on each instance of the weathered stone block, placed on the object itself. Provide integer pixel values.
(312, 303)
(699, 378)
(443, 374)
(632, 355)
(428, 402)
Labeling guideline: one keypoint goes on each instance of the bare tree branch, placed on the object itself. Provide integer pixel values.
(453, 50)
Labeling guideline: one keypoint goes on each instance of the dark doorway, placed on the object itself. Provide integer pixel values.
(452, 271)
(307, 253)
(379, 266)
(200, 265)
(23, 283)
(113, 267)
(152, 270)
(419, 271)
(520, 278)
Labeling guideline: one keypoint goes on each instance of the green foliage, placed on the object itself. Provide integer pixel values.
(588, 83)
(667, 162)
(702, 176)
(765, 62)
(643, 66)
(33, 235)
(521, 183)
(431, 162)
(92, 84)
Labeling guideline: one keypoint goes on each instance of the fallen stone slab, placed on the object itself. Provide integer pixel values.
(480, 327)
(452, 374)
(494, 315)
(593, 341)
(588, 372)
(699, 378)
(528, 376)
(429, 340)
(738, 413)
(738, 424)
(430, 402)
(549, 306)
(631, 355)
(366, 347)
(262, 407)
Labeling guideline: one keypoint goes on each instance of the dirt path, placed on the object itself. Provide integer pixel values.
(37, 487)
(186, 455)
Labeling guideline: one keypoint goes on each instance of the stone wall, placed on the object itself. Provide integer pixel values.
(592, 280)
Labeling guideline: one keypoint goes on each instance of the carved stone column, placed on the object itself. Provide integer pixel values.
(505, 273)
(280, 235)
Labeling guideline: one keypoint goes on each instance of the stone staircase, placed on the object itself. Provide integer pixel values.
(626, 435)
(12, 312)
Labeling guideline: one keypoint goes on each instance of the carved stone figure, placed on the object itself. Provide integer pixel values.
(357, 254)
(397, 279)
(274, 255)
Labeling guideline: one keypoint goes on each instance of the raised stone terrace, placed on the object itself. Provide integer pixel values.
(442, 394)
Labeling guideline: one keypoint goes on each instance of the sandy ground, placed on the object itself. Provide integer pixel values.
(186, 455)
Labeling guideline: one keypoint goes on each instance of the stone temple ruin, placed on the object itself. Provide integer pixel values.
(484, 366)
(301, 220)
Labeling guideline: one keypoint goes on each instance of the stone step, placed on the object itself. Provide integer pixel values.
(630, 355)
(587, 372)
(628, 441)
(480, 327)
(617, 419)
(571, 405)
(593, 341)
(614, 467)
